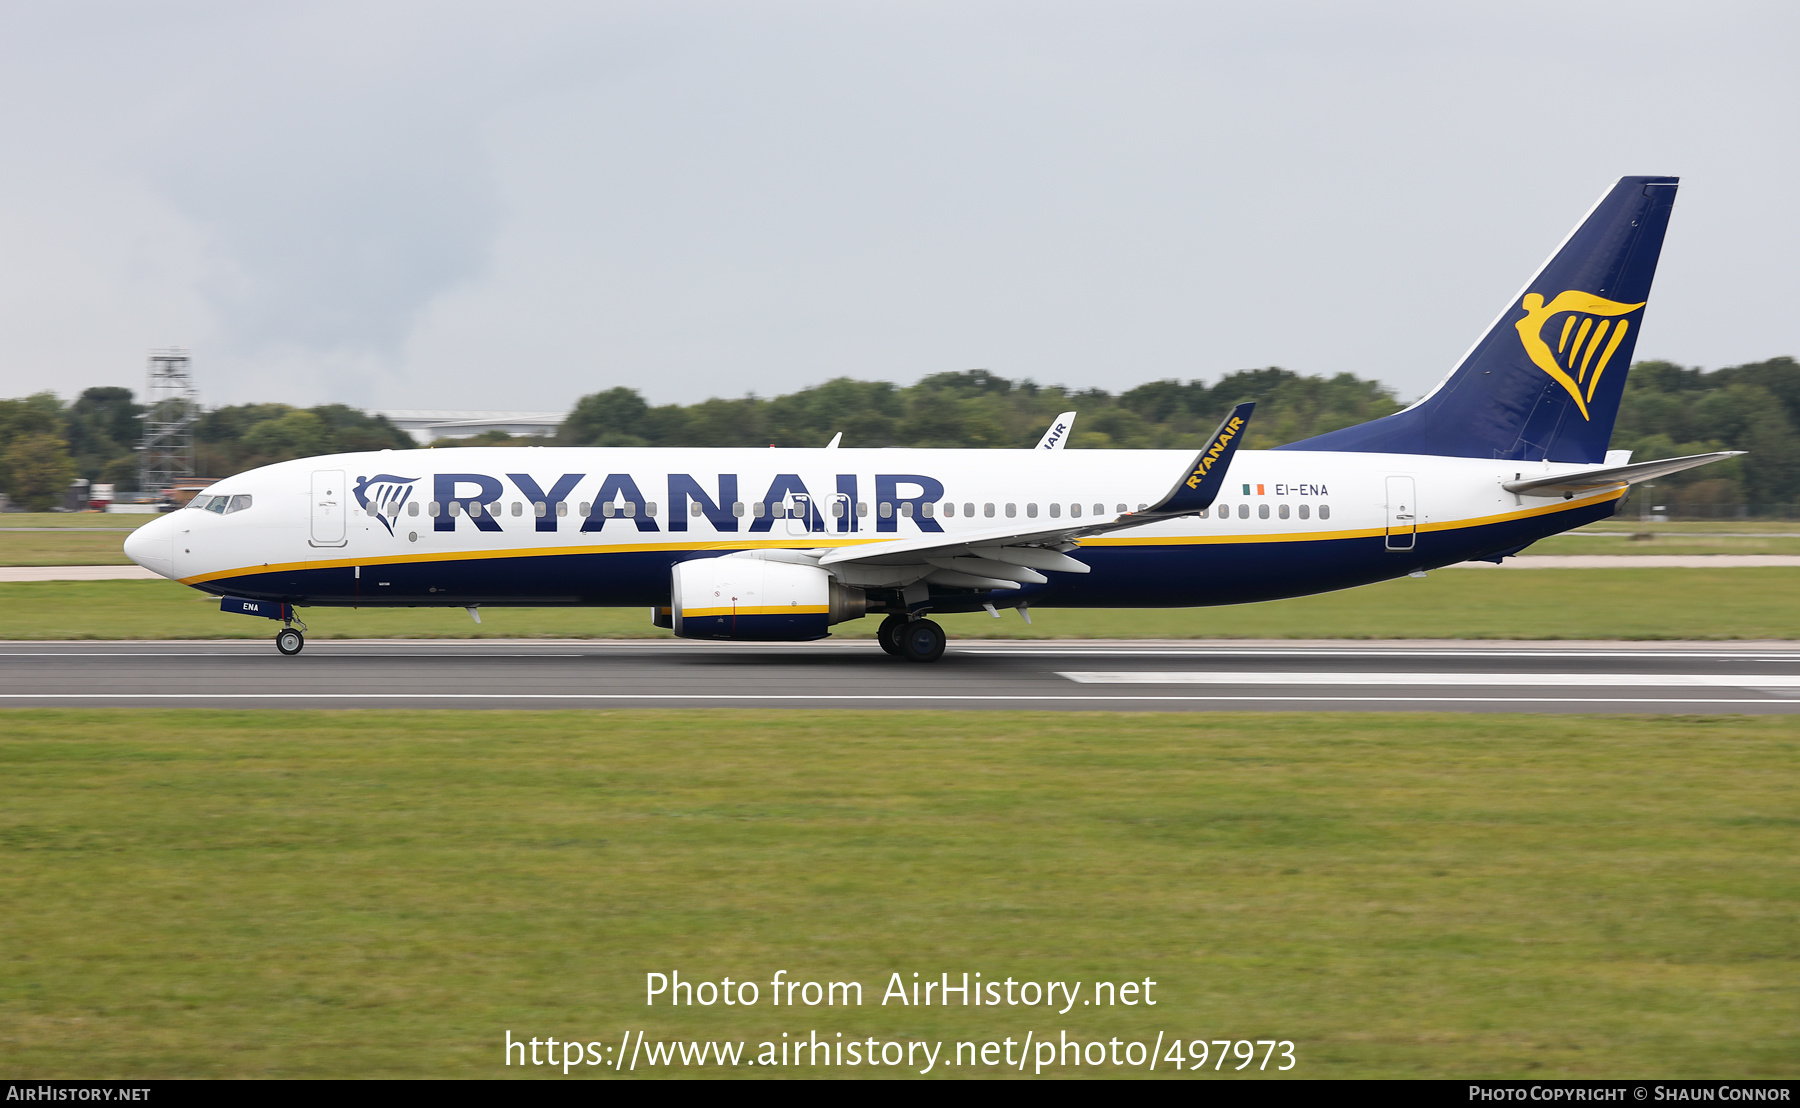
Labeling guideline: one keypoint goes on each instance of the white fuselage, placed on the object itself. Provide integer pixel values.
(464, 526)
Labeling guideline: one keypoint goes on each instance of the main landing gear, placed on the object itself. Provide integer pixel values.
(916, 640)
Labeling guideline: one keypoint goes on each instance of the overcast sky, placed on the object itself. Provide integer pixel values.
(510, 205)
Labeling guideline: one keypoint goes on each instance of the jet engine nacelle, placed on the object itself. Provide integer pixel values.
(756, 599)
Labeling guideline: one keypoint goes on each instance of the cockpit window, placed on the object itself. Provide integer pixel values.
(220, 505)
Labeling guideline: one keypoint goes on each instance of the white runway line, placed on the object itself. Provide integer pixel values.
(1466, 680)
(14, 574)
(1377, 651)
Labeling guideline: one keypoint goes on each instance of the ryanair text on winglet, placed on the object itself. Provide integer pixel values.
(1232, 426)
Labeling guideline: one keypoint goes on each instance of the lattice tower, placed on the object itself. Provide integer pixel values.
(174, 408)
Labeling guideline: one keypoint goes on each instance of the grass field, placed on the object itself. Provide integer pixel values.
(387, 893)
(1742, 541)
(1455, 603)
(65, 538)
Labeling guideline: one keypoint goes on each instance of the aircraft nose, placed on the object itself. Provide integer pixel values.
(153, 546)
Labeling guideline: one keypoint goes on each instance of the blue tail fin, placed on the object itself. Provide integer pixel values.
(1545, 381)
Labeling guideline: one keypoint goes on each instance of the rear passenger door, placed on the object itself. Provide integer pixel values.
(1402, 513)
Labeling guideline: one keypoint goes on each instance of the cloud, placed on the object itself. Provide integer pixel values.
(485, 206)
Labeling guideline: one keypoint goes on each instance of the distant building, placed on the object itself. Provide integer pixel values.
(427, 425)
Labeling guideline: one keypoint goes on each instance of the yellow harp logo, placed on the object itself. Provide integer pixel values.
(1581, 346)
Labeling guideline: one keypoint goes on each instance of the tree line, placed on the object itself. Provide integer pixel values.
(1668, 410)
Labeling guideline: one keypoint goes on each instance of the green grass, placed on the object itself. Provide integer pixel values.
(1622, 544)
(66, 538)
(386, 893)
(1456, 603)
(73, 521)
(1629, 523)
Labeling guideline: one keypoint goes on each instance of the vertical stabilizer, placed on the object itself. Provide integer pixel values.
(1545, 380)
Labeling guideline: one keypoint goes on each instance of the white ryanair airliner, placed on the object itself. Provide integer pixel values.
(781, 544)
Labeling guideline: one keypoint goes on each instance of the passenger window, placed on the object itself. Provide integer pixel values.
(1141, 507)
(1100, 509)
(949, 508)
(518, 508)
(540, 509)
(584, 509)
(886, 510)
(413, 508)
(906, 509)
(1243, 511)
(650, 507)
(1031, 511)
(925, 509)
(1324, 511)
(630, 509)
(759, 509)
(431, 509)
(737, 508)
(1304, 511)
(1203, 512)
(1262, 511)
(238, 503)
(694, 508)
(837, 509)
(1075, 511)
(1282, 511)
(862, 508)
(1012, 510)
(969, 510)
(455, 509)
(1055, 511)
(606, 510)
(988, 511)
(562, 507)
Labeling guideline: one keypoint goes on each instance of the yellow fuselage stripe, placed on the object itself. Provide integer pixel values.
(772, 610)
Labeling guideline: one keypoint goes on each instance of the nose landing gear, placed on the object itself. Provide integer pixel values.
(289, 641)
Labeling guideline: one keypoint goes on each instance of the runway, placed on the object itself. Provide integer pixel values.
(974, 674)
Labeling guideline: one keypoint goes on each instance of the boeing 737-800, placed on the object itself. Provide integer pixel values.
(781, 544)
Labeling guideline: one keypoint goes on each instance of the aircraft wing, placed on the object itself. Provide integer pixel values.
(1007, 557)
(1569, 484)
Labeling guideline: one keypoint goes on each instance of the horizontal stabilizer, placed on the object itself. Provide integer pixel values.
(1570, 484)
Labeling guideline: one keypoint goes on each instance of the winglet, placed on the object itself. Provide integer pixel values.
(1058, 434)
(1200, 485)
